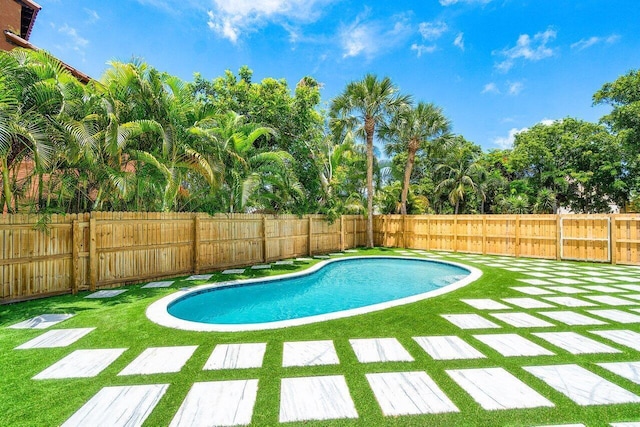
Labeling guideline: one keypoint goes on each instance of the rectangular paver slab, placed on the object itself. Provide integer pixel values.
(315, 398)
(119, 406)
(234, 271)
(582, 386)
(527, 302)
(567, 289)
(536, 282)
(522, 320)
(571, 318)
(164, 284)
(628, 370)
(106, 293)
(41, 322)
(372, 350)
(409, 393)
(495, 388)
(616, 315)
(309, 353)
(159, 360)
(200, 277)
(217, 403)
(510, 345)
(81, 364)
(448, 348)
(485, 304)
(575, 343)
(236, 356)
(611, 300)
(570, 301)
(532, 290)
(470, 321)
(624, 337)
(56, 338)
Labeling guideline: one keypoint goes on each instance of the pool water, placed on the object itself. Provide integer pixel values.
(337, 286)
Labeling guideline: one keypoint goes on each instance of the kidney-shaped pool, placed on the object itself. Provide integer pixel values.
(329, 290)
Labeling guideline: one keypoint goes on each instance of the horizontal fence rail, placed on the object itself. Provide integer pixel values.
(71, 253)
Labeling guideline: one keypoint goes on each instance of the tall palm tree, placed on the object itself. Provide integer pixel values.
(461, 175)
(412, 130)
(361, 107)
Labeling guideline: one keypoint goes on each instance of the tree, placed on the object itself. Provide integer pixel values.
(411, 130)
(362, 107)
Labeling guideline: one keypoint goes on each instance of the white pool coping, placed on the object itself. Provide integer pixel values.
(158, 312)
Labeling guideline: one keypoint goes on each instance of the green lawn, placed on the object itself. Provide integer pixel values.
(120, 322)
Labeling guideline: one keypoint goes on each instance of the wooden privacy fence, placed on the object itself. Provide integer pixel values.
(599, 238)
(105, 249)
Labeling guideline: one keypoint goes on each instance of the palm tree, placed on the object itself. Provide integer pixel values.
(411, 130)
(461, 175)
(362, 107)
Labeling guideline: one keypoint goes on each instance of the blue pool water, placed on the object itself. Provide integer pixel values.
(343, 285)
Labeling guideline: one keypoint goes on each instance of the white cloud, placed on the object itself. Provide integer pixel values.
(507, 142)
(459, 41)
(231, 19)
(421, 48)
(514, 88)
(452, 2)
(528, 48)
(74, 41)
(93, 15)
(370, 38)
(491, 88)
(432, 30)
(591, 41)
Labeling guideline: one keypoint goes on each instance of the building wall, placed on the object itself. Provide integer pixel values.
(10, 17)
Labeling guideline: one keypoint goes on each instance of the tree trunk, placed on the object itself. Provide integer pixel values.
(8, 195)
(457, 206)
(369, 128)
(413, 147)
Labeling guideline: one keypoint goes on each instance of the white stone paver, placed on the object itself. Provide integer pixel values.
(571, 318)
(632, 296)
(56, 338)
(351, 251)
(628, 370)
(236, 356)
(598, 280)
(106, 293)
(118, 406)
(567, 289)
(322, 256)
(372, 350)
(495, 388)
(531, 290)
(624, 337)
(582, 386)
(610, 300)
(485, 304)
(616, 315)
(409, 393)
(635, 288)
(448, 348)
(41, 322)
(309, 353)
(159, 360)
(566, 281)
(626, 424)
(200, 277)
(164, 284)
(527, 302)
(510, 345)
(304, 259)
(540, 275)
(570, 301)
(234, 271)
(285, 262)
(315, 398)
(470, 321)
(522, 320)
(261, 267)
(81, 364)
(496, 264)
(535, 282)
(603, 288)
(575, 343)
(217, 403)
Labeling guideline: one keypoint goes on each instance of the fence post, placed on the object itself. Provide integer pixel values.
(613, 240)
(196, 244)
(93, 258)
(341, 233)
(310, 235)
(484, 234)
(75, 257)
(355, 232)
(558, 237)
(264, 239)
(517, 248)
(455, 233)
(404, 231)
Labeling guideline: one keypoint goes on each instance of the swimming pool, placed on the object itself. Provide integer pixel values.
(331, 289)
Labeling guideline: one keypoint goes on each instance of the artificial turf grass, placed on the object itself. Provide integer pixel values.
(121, 322)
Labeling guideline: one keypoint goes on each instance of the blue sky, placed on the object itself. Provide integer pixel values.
(495, 66)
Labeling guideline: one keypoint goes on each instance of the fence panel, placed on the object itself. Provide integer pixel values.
(626, 239)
